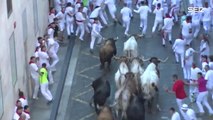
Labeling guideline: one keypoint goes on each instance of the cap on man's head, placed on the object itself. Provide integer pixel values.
(184, 107)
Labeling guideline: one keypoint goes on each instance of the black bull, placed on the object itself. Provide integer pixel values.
(101, 92)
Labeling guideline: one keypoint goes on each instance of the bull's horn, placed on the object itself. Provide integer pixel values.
(163, 60)
(116, 58)
(144, 60)
(116, 38)
(112, 105)
(104, 38)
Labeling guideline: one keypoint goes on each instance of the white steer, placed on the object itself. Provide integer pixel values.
(149, 81)
(131, 47)
(120, 74)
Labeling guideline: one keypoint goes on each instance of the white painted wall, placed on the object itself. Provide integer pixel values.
(10, 92)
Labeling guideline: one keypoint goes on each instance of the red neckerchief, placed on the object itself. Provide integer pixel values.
(194, 66)
(27, 112)
(206, 61)
(22, 97)
(31, 62)
(18, 113)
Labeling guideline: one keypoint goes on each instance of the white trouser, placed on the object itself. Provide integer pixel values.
(112, 11)
(187, 71)
(126, 24)
(156, 23)
(188, 38)
(80, 28)
(61, 26)
(193, 91)
(50, 75)
(93, 38)
(143, 24)
(56, 47)
(55, 60)
(181, 58)
(36, 86)
(70, 26)
(209, 86)
(196, 29)
(174, 12)
(179, 104)
(129, 4)
(165, 34)
(206, 26)
(46, 92)
(103, 18)
(203, 98)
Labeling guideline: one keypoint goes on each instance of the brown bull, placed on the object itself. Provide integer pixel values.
(105, 114)
(107, 51)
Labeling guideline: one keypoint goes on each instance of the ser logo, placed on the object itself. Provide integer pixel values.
(195, 9)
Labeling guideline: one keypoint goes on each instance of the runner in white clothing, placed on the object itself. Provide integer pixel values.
(35, 76)
(179, 48)
(143, 11)
(126, 17)
(204, 46)
(188, 60)
(69, 13)
(175, 114)
(206, 18)
(158, 18)
(187, 30)
(112, 8)
(80, 19)
(209, 78)
(196, 19)
(167, 29)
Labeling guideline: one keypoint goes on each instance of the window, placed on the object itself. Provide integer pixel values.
(9, 7)
(35, 14)
(13, 59)
(1, 98)
(24, 24)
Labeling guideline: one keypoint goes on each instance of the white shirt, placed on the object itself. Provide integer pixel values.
(27, 116)
(61, 17)
(43, 58)
(51, 45)
(175, 116)
(50, 32)
(158, 14)
(168, 23)
(99, 2)
(194, 72)
(155, 2)
(196, 18)
(186, 28)
(209, 77)
(191, 114)
(179, 46)
(96, 28)
(206, 14)
(126, 13)
(16, 116)
(203, 45)
(143, 11)
(77, 6)
(51, 18)
(211, 65)
(95, 12)
(23, 101)
(189, 55)
(69, 12)
(79, 17)
(173, 2)
(34, 70)
(198, 3)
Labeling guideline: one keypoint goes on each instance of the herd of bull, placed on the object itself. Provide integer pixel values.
(134, 85)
